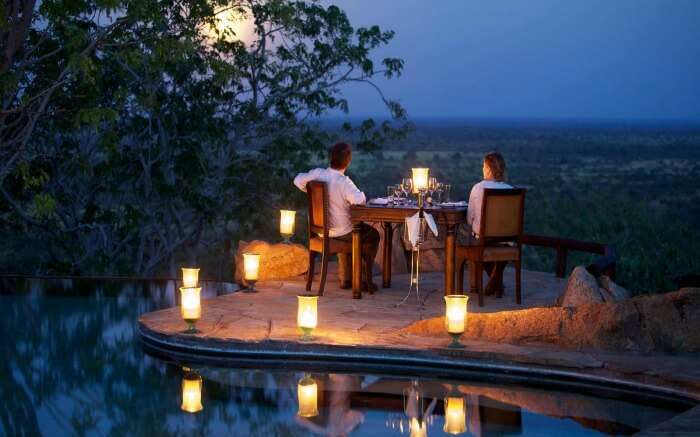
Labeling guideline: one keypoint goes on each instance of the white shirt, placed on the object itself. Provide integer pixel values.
(476, 198)
(342, 193)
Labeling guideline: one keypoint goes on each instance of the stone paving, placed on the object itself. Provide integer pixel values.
(266, 320)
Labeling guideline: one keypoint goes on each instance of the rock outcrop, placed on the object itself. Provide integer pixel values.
(662, 323)
(277, 261)
(582, 288)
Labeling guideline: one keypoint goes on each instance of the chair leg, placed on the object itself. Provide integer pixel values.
(518, 275)
(460, 277)
(480, 282)
(310, 271)
(498, 270)
(324, 272)
(472, 276)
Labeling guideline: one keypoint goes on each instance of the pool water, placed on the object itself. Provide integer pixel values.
(72, 364)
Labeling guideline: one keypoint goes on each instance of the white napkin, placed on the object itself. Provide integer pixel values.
(460, 203)
(379, 201)
(413, 227)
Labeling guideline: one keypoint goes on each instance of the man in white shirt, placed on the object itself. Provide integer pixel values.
(342, 193)
(494, 170)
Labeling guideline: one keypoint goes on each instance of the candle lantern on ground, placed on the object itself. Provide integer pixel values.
(456, 317)
(190, 307)
(307, 392)
(190, 277)
(191, 392)
(455, 415)
(287, 224)
(307, 315)
(251, 269)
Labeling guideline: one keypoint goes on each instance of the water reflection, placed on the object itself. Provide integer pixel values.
(72, 364)
(191, 391)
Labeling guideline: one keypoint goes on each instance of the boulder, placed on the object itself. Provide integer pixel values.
(667, 322)
(581, 289)
(610, 291)
(277, 261)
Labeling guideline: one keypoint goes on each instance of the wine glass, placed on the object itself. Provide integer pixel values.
(446, 188)
(390, 194)
(407, 186)
(439, 190)
(432, 186)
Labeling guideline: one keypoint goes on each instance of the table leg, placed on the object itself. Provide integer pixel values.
(356, 261)
(386, 258)
(450, 260)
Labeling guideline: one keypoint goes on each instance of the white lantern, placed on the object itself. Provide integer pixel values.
(456, 317)
(190, 306)
(287, 223)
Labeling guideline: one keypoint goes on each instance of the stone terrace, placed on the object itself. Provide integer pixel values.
(266, 321)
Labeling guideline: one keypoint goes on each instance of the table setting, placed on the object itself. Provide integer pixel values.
(421, 203)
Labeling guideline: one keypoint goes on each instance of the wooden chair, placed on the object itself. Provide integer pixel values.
(502, 213)
(317, 193)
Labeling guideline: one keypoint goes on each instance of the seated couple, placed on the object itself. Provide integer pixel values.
(342, 193)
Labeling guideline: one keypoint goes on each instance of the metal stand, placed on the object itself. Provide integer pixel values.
(415, 256)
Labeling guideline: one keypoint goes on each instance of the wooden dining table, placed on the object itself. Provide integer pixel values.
(390, 215)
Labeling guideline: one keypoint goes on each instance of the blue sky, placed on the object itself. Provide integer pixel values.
(601, 59)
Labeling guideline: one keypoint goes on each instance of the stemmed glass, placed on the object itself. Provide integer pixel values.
(432, 186)
(407, 186)
(446, 188)
(439, 189)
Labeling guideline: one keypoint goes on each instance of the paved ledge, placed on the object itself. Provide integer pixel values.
(365, 334)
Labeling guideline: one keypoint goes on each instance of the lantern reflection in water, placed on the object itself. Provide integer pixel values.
(455, 415)
(307, 393)
(191, 392)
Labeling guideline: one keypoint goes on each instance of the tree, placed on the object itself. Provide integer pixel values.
(169, 132)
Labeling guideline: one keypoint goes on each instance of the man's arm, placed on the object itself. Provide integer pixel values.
(304, 178)
(352, 194)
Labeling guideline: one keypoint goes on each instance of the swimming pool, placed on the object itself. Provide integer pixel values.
(73, 364)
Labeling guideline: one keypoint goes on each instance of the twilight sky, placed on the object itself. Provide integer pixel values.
(621, 59)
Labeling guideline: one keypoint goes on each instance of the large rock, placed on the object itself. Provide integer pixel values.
(652, 323)
(581, 289)
(610, 291)
(277, 261)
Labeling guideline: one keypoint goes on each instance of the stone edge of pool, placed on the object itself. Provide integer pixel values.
(442, 362)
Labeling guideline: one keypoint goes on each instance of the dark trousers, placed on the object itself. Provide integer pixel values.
(370, 244)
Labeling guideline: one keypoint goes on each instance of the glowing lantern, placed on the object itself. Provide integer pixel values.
(307, 391)
(307, 314)
(190, 306)
(455, 415)
(191, 392)
(190, 277)
(287, 224)
(251, 269)
(420, 179)
(456, 317)
(418, 427)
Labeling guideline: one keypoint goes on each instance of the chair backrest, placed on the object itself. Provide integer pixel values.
(317, 193)
(502, 213)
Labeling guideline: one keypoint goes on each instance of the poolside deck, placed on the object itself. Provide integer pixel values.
(262, 326)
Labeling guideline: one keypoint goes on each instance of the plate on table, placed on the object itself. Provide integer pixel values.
(461, 204)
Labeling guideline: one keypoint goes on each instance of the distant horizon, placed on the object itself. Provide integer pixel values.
(499, 120)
